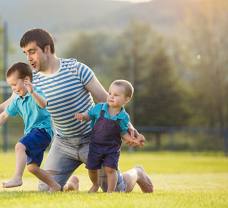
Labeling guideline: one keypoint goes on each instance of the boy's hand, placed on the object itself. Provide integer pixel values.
(135, 141)
(28, 86)
(138, 141)
(79, 116)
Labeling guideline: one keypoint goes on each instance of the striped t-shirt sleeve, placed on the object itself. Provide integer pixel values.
(85, 73)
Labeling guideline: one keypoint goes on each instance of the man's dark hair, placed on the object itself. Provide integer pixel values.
(23, 70)
(40, 36)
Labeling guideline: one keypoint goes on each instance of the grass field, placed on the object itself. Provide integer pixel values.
(180, 180)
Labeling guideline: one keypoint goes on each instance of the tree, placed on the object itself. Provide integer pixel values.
(96, 50)
(158, 98)
(209, 48)
(1, 50)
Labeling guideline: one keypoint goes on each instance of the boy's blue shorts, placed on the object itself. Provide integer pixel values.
(36, 143)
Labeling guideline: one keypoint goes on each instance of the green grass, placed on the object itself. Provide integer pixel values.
(180, 180)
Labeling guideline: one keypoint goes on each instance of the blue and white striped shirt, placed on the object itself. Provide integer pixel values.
(66, 94)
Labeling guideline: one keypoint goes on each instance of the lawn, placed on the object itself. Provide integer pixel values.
(180, 180)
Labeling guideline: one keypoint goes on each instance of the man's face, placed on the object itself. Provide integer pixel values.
(35, 56)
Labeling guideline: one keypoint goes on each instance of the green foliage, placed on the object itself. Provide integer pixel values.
(158, 99)
(1, 50)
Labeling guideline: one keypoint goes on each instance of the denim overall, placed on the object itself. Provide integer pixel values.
(105, 144)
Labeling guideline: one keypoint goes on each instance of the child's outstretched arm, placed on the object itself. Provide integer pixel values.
(4, 105)
(82, 116)
(3, 117)
(39, 100)
(133, 141)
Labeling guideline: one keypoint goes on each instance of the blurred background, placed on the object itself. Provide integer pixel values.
(175, 53)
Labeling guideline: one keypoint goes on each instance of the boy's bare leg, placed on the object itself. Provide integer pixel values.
(93, 175)
(21, 158)
(72, 184)
(111, 178)
(139, 176)
(44, 176)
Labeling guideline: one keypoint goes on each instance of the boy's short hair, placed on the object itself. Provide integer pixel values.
(128, 88)
(40, 36)
(23, 70)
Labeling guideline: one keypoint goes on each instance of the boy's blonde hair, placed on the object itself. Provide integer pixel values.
(128, 88)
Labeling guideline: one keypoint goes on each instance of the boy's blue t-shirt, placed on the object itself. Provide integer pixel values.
(122, 116)
(32, 114)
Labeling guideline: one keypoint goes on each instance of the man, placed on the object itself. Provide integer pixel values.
(68, 86)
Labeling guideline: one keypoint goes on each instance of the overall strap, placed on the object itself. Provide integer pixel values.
(102, 111)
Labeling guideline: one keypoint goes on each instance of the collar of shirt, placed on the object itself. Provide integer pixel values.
(26, 95)
(120, 115)
(23, 97)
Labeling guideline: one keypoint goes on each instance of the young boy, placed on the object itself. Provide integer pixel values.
(28, 103)
(110, 123)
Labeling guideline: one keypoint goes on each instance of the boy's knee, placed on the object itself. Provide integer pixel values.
(19, 147)
(109, 170)
(93, 171)
(32, 168)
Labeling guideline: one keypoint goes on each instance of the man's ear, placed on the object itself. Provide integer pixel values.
(47, 49)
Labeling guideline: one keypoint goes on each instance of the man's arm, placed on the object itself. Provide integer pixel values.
(97, 91)
(3, 117)
(5, 104)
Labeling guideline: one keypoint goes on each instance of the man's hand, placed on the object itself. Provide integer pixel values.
(141, 139)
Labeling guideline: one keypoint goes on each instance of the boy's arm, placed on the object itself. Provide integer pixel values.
(39, 100)
(134, 142)
(5, 104)
(3, 117)
(133, 132)
(129, 138)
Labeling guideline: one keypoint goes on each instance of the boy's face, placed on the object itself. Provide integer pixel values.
(116, 96)
(16, 84)
(35, 56)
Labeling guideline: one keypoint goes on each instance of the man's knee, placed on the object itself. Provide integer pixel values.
(43, 187)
